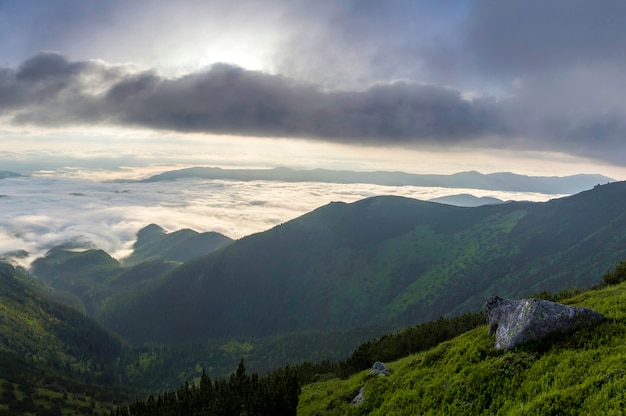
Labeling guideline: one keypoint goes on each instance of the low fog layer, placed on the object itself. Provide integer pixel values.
(37, 213)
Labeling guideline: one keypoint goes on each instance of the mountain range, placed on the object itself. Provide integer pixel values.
(387, 261)
(504, 181)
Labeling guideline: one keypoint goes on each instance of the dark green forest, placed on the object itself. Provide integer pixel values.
(241, 394)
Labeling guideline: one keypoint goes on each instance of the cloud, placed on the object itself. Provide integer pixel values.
(562, 66)
(518, 38)
(39, 213)
(52, 91)
(571, 111)
(350, 44)
(555, 69)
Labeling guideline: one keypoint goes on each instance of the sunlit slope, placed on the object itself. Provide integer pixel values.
(48, 349)
(382, 260)
(41, 330)
(577, 373)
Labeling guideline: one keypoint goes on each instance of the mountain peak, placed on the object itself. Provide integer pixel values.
(151, 230)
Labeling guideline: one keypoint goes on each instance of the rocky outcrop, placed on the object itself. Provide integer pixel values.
(518, 321)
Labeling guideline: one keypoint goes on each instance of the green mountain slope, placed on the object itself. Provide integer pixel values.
(182, 245)
(576, 373)
(383, 260)
(84, 274)
(96, 279)
(48, 349)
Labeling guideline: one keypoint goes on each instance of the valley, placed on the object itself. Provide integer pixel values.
(311, 290)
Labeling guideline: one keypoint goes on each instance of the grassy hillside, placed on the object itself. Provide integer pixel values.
(577, 373)
(380, 261)
(52, 358)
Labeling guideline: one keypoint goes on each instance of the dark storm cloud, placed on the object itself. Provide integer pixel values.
(48, 66)
(525, 37)
(51, 90)
(556, 67)
(562, 63)
(48, 89)
(231, 100)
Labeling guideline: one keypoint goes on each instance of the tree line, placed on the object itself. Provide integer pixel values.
(277, 392)
(241, 394)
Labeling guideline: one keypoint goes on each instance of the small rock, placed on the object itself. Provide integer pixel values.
(358, 399)
(380, 369)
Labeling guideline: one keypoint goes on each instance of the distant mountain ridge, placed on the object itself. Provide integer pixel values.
(504, 181)
(8, 174)
(467, 200)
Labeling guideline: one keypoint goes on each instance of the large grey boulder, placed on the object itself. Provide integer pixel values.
(518, 321)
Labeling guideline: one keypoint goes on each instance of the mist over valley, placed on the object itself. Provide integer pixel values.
(43, 211)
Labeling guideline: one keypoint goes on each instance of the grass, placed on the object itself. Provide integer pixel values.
(577, 373)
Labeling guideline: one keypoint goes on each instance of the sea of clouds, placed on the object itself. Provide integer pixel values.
(40, 212)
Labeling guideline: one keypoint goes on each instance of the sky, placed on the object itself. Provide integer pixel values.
(98, 90)
(533, 86)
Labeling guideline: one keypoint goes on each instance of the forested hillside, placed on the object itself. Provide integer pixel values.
(51, 354)
(92, 278)
(380, 261)
(71, 365)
